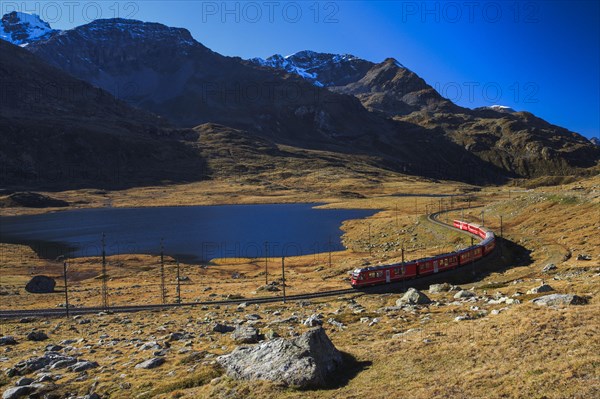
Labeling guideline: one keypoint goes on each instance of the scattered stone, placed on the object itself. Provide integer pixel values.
(37, 336)
(462, 317)
(437, 288)
(374, 321)
(559, 299)
(53, 348)
(413, 297)
(24, 381)
(253, 316)
(18, 392)
(7, 340)
(222, 328)
(245, 335)
(83, 366)
(336, 323)
(49, 359)
(152, 345)
(584, 257)
(314, 320)
(150, 363)
(305, 361)
(540, 289)
(548, 268)
(40, 285)
(270, 334)
(463, 294)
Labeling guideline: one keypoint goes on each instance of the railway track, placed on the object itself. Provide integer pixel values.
(54, 312)
(8, 314)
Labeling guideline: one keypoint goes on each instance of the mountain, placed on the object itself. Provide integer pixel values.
(595, 141)
(322, 69)
(383, 111)
(60, 132)
(517, 142)
(22, 29)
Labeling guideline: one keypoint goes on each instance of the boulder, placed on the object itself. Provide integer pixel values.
(559, 299)
(245, 335)
(41, 285)
(150, 363)
(304, 361)
(314, 320)
(463, 294)
(541, 288)
(413, 297)
(21, 382)
(7, 340)
(437, 288)
(222, 328)
(37, 336)
(548, 268)
(49, 359)
(83, 366)
(18, 392)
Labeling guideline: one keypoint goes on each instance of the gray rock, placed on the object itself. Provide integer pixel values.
(152, 345)
(548, 268)
(245, 335)
(463, 294)
(314, 320)
(7, 340)
(37, 336)
(150, 363)
(40, 285)
(540, 289)
(21, 382)
(18, 392)
(437, 288)
(413, 297)
(83, 366)
(270, 334)
(253, 316)
(559, 299)
(53, 348)
(584, 257)
(305, 361)
(48, 360)
(222, 328)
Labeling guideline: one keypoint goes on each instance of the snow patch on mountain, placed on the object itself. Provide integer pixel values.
(501, 108)
(21, 28)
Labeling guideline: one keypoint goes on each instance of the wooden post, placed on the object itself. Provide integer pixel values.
(329, 251)
(283, 276)
(104, 275)
(163, 289)
(66, 287)
(266, 263)
(178, 285)
(370, 249)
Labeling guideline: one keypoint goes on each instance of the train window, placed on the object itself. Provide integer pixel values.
(379, 274)
(371, 274)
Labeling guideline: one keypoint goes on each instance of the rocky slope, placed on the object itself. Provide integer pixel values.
(383, 111)
(62, 132)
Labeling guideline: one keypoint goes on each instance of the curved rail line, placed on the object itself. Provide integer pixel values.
(60, 312)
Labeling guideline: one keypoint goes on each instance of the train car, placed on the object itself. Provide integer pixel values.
(386, 274)
(383, 274)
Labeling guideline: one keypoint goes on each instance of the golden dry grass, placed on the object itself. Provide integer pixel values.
(524, 351)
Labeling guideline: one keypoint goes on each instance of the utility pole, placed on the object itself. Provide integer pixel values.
(472, 257)
(501, 227)
(330, 251)
(266, 263)
(66, 287)
(440, 205)
(370, 249)
(283, 276)
(482, 220)
(396, 215)
(178, 285)
(104, 275)
(163, 289)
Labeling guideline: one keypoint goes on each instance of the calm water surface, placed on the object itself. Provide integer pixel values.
(193, 234)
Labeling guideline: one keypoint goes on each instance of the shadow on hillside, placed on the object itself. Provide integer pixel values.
(350, 369)
(507, 254)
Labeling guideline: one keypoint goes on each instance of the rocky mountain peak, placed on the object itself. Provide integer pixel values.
(22, 29)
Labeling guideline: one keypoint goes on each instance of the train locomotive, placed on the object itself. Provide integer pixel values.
(386, 274)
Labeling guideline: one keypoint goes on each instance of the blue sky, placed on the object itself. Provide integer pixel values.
(538, 56)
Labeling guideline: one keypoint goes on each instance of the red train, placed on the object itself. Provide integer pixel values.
(386, 274)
